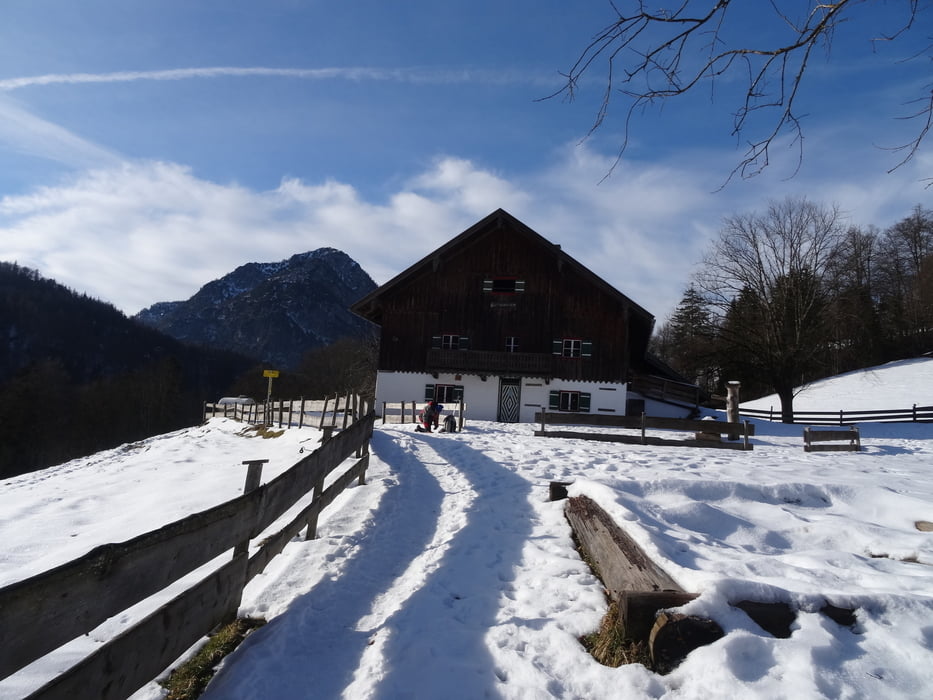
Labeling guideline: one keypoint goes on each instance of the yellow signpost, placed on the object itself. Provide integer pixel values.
(270, 374)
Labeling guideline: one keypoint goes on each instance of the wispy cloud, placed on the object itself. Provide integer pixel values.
(362, 73)
(26, 133)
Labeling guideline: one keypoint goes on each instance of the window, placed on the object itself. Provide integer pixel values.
(503, 285)
(443, 393)
(511, 344)
(569, 401)
(450, 341)
(572, 347)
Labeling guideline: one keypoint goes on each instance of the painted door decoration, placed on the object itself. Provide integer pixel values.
(510, 390)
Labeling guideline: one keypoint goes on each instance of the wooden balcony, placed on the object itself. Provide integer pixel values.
(480, 361)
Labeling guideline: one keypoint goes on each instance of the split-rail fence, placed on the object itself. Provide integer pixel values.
(41, 613)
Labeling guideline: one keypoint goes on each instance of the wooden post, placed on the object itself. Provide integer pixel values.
(460, 420)
(644, 440)
(323, 412)
(543, 418)
(253, 477)
(312, 520)
(732, 406)
(346, 410)
(383, 412)
(301, 416)
(414, 411)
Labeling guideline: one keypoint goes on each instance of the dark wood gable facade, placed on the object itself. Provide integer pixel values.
(496, 304)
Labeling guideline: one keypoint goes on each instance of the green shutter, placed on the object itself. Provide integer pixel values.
(584, 402)
(557, 346)
(586, 349)
(553, 401)
(428, 392)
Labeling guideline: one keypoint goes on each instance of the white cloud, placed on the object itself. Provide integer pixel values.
(135, 234)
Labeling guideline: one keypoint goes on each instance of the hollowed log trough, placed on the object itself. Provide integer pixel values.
(646, 594)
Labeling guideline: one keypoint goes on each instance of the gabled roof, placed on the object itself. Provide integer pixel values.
(368, 306)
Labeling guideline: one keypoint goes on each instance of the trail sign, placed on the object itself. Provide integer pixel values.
(271, 373)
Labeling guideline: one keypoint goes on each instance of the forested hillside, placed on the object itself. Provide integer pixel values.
(78, 376)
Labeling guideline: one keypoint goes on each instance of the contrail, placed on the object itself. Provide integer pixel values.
(409, 75)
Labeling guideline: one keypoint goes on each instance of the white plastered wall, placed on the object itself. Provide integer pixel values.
(481, 397)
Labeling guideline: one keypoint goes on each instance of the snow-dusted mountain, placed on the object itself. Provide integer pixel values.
(275, 312)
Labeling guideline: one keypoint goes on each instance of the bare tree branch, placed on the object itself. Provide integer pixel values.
(651, 56)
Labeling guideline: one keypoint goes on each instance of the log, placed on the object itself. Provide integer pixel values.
(622, 564)
(675, 635)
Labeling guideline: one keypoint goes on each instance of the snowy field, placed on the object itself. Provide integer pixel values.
(450, 575)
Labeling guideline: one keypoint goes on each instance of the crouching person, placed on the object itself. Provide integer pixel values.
(429, 417)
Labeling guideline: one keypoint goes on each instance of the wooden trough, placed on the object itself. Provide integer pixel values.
(646, 594)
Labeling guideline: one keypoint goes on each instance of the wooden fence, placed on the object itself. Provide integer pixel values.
(402, 411)
(43, 612)
(915, 414)
(708, 433)
(336, 411)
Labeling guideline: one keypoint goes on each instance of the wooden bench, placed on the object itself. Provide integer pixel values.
(849, 436)
(703, 430)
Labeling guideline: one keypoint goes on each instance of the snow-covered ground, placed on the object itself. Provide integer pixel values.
(450, 574)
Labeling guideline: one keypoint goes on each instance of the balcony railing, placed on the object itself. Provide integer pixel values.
(530, 363)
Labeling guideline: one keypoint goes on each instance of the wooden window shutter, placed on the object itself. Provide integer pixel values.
(458, 393)
(553, 399)
(428, 392)
(557, 346)
(586, 349)
(584, 402)
(487, 285)
(464, 342)
(519, 286)
(435, 341)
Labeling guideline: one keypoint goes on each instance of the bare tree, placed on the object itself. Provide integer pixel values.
(653, 54)
(766, 274)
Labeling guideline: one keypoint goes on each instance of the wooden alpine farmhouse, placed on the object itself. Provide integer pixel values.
(507, 321)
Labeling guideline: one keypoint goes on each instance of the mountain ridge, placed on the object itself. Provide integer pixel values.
(275, 311)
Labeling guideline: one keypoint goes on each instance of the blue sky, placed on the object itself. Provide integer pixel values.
(147, 148)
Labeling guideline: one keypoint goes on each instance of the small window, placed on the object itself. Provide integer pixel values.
(511, 344)
(503, 285)
(443, 393)
(450, 341)
(569, 401)
(572, 347)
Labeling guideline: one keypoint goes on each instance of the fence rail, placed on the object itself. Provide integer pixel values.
(333, 410)
(41, 613)
(915, 414)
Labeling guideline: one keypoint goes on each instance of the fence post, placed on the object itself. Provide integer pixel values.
(732, 406)
(253, 477)
(312, 521)
(841, 419)
(460, 419)
(320, 425)
(346, 410)
(915, 413)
